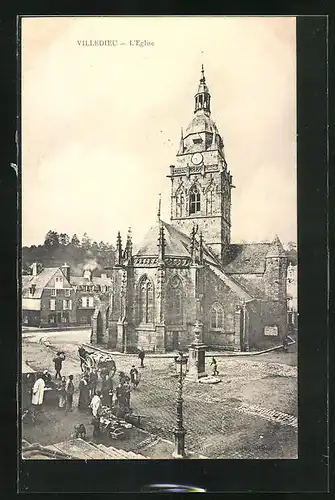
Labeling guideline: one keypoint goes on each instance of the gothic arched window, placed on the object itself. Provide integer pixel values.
(216, 317)
(175, 301)
(194, 200)
(146, 301)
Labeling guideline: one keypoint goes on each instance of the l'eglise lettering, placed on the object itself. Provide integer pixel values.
(97, 43)
(141, 43)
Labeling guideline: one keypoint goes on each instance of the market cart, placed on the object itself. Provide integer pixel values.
(103, 363)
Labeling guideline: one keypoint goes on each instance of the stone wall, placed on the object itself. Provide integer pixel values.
(264, 314)
(215, 291)
(45, 305)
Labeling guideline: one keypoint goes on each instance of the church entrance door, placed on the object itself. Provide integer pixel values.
(175, 340)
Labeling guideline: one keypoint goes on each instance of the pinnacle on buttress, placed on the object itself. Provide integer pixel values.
(181, 144)
(161, 244)
(159, 208)
(129, 245)
(119, 248)
(201, 248)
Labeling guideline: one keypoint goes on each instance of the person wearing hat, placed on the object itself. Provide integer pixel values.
(141, 356)
(47, 377)
(69, 390)
(84, 393)
(134, 379)
(58, 361)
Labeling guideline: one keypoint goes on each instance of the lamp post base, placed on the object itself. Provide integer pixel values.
(179, 443)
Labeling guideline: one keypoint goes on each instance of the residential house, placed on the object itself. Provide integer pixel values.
(47, 297)
(87, 289)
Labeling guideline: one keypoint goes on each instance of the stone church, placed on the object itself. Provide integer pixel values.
(187, 269)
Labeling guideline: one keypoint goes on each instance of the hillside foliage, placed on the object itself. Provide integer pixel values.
(60, 248)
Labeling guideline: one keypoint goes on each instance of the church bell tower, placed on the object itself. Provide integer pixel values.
(200, 181)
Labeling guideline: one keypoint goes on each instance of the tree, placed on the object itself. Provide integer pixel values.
(64, 239)
(51, 239)
(75, 241)
(95, 248)
(86, 242)
(102, 246)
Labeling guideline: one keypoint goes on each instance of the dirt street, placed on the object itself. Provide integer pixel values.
(251, 413)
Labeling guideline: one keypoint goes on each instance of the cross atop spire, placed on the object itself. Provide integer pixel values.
(203, 79)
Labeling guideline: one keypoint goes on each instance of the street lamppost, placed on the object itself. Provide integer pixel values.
(179, 431)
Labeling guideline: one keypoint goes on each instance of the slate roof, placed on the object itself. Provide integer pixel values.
(254, 286)
(249, 258)
(246, 258)
(80, 280)
(41, 281)
(177, 244)
(96, 280)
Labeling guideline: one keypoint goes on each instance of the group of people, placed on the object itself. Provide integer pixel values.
(91, 384)
(104, 397)
(96, 388)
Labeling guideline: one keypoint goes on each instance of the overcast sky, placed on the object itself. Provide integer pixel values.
(101, 125)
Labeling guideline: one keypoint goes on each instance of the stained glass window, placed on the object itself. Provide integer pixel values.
(146, 301)
(216, 319)
(175, 301)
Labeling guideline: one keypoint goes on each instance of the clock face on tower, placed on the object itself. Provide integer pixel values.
(197, 158)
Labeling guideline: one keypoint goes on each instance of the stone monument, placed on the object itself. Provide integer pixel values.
(197, 350)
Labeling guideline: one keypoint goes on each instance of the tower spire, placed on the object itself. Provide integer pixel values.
(202, 97)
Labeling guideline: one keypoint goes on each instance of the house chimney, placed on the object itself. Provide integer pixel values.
(104, 276)
(66, 271)
(88, 274)
(34, 268)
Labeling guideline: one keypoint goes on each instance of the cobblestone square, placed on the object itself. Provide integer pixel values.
(251, 413)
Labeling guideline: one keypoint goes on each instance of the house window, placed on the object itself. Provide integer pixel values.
(175, 301)
(83, 301)
(52, 305)
(51, 318)
(194, 200)
(53, 292)
(67, 292)
(90, 302)
(58, 282)
(146, 299)
(216, 317)
(67, 304)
